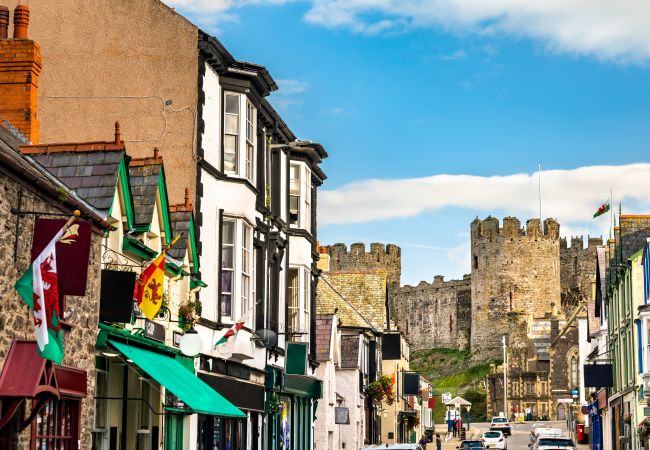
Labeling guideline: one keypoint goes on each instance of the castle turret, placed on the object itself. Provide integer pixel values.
(513, 270)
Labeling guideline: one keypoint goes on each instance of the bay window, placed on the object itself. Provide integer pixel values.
(236, 268)
(300, 196)
(239, 148)
(299, 302)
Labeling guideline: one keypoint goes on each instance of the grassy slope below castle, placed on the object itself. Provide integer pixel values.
(455, 372)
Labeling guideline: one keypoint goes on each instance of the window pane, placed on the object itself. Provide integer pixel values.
(226, 281)
(232, 103)
(231, 124)
(230, 153)
(228, 232)
(293, 203)
(225, 305)
(227, 257)
(294, 306)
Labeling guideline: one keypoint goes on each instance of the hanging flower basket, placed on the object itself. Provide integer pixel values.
(643, 429)
(381, 390)
(274, 405)
(188, 314)
(627, 419)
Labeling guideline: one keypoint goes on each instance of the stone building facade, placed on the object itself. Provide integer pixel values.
(577, 270)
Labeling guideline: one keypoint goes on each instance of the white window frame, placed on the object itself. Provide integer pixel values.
(302, 189)
(243, 269)
(293, 301)
(245, 137)
(233, 269)
(295, 187)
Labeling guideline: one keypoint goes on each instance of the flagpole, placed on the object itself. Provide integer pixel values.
(539, 188)
(611, 212)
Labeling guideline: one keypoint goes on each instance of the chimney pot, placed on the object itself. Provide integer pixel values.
(156, 153)
(118, 134)
(21, 21)
(4, 22)
(187, 198)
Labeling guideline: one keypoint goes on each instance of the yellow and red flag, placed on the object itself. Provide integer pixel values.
(148, 290)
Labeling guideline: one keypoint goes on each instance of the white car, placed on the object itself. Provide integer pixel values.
(494, 439)
(501, 424)
(554, 443)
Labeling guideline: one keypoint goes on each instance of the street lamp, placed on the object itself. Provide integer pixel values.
(191, 343)
(469, 419)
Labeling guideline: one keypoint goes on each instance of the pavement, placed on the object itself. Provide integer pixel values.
(518, 441)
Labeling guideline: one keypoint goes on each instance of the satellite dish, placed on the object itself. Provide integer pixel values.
(268, 338)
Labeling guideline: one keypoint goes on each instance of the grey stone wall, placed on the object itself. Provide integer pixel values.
(577, 270)
(380, 256)
(514, 269)
(16, 320)
(435, 314)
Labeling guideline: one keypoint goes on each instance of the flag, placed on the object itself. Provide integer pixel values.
(148, 291)
(39, 289)
(226, 344)
(72, 252)
(602, 210)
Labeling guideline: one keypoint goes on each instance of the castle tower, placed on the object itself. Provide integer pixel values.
(380, 256)
(514, 270)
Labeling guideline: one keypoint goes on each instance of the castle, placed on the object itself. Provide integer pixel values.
(515, 270)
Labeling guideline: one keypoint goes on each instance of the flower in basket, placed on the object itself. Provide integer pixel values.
(375, 390)
(274, 405)
(643, 429)
(186, 316)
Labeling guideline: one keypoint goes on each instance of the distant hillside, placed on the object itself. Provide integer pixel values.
(455, 372)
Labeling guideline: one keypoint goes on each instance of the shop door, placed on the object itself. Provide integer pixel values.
(174, 432)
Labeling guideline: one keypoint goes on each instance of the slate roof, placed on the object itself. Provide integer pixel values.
(92, 174)
(180, 224)
(364, 290)
(349, 352)
(144, 179)
(323, 336)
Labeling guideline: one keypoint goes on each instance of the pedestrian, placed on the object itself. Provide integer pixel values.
(438, 442)
(453, 426)
(532, 438)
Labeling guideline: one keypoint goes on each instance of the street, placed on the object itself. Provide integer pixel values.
(520, 432)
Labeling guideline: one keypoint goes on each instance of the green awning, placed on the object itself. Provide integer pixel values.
(181, 382)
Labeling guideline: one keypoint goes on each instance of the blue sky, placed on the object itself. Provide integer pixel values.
(405, 93)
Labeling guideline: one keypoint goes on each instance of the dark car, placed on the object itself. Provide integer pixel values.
(473, 445)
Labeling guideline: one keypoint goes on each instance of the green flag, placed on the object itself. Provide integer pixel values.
(602, 210)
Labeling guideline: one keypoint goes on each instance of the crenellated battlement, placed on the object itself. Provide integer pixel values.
(380, 256)
(438, 283)
(489, 229)
(578, 243)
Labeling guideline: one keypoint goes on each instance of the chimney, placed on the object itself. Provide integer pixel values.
(188, 203)
(20, 67)
(324, 259)
(4, 22)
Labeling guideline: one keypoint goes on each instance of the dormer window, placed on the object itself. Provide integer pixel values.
(238, 147)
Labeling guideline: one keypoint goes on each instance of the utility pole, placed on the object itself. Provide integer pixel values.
(505, 379)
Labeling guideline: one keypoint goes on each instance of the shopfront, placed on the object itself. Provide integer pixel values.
(149, 395)
(239, 385)
(291, 406)
(52, 392)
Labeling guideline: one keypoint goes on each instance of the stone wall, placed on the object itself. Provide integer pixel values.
(380, 256)
(577, 270)
(513, 269)
(435, 314)
(15, 318)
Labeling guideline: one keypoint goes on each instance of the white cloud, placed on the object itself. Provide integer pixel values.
(571, 196)
(455, 56)
(606, 29)
(288, 94)
(459, 257)
(290, 87)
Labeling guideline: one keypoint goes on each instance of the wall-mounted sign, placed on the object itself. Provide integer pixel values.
(446, 397)
(410, 383)
(341, 415)
(154, 330)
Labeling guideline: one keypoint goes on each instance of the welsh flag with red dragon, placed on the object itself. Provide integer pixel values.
(226, 344)
(39, 289)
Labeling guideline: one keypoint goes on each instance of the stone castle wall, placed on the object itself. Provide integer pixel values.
(577, 270)
(514, 269)
(16, 321)
(435, 314)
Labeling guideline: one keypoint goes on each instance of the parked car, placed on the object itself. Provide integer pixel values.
(393, 447)
(471, 445)
(501, 424)
(494, 439)
(553, 443)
